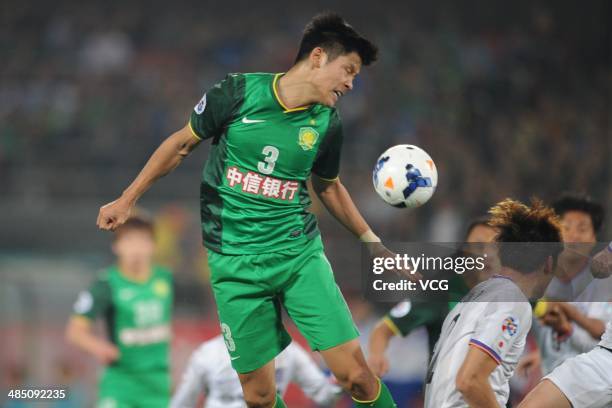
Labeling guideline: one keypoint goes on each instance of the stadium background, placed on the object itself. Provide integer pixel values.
(509, 100)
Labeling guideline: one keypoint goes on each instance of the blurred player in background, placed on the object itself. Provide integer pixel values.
(484, 335)
(566, 329)
(407, 316)
(583, 381)
(209, 371)
(134, 300)
(270, 133)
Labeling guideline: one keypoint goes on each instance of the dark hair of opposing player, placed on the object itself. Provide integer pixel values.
(527, 235)
(332, 33)
(482, 221)
(139, 223)
(583, 203)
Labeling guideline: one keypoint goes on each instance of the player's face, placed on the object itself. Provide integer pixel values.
(578, 233)
(479, 242)
(334, 78)
(134, 247)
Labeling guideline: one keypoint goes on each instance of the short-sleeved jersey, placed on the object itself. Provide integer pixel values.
(253, 193)
(137, 316)
(210, 372)
(409, 315)
(499, 329)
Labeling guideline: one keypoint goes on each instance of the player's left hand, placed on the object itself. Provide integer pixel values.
(379, 364)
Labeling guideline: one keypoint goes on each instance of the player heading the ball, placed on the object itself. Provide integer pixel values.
(270, 133)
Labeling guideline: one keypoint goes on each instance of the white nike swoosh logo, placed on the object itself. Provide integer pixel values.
(245, 120)
(234, 358)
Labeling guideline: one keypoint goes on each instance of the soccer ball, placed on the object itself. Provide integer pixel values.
(405, 176)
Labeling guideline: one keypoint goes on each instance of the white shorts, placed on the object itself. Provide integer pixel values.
(586, 380)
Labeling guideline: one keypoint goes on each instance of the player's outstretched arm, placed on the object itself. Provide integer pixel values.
(473, 379)
(339, 203)
(377, 347)
(165, 159)
(79, 332)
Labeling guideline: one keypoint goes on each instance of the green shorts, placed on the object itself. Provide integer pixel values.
(120, 388)
(251, 289)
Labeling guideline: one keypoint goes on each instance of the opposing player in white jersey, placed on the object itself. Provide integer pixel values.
(210, 372)
(484, 335)
(564, 330)
(584, 381)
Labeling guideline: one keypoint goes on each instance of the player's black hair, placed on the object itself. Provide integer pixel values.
(337, 37)
(528, 235)
(583, 203)
(482, 221)
(138, 222)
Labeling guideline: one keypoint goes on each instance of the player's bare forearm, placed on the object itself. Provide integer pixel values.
(594, 327)
(380, 337)
(473, 380)
(339, 203)
(379, 341)
(79, 333)
(165, 159)
(479, 394)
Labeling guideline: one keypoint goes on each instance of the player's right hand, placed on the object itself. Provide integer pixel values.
(106, 353)
(379, 364)
(114, 214)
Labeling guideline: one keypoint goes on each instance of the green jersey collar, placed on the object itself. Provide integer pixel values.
(278, 100)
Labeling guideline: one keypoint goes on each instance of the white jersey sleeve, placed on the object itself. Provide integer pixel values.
(502, 330)
(193, 383)
(309, 377)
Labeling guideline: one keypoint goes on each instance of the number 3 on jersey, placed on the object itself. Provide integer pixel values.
(267, 166)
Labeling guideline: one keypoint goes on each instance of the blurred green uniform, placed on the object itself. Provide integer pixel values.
(137, 317)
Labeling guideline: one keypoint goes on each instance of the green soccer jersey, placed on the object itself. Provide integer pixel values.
(137, 316)
(407, 316)
(253, 193)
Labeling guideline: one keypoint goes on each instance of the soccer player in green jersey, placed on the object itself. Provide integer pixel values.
(270, 133)
(134, 299)
(407, 316)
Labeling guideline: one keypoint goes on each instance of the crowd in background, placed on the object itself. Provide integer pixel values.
(509, 100)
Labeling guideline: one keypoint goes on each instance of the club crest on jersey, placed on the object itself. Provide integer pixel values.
(161, 288)
(510, 327)
(307, 138)
(199, 108)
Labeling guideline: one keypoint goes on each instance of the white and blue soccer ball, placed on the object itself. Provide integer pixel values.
(405, 176)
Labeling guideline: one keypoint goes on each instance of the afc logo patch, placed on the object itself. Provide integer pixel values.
(510, 327)
(199, 108)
